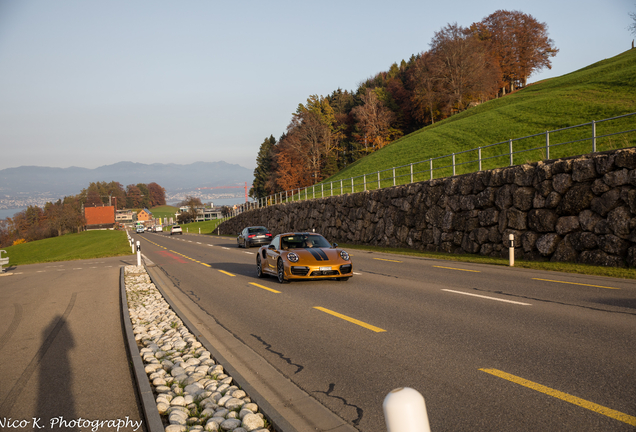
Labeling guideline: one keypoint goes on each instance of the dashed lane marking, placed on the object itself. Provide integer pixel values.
(487, 297)
(352, 320)
(264, 287)
(575, 283)
(453, 268)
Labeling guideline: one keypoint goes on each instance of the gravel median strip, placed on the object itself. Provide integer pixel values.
(192, 390)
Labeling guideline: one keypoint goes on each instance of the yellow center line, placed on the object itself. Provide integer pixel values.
(353, 320)
(575, 283)
(224, 272)
(625, 418)
(264, 287)
(452, 268)
(383, 259)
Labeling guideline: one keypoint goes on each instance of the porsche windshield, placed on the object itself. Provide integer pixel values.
(299, 241)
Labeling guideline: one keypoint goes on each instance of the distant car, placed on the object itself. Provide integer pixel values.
(303, 256)
(140, 229)
(176, 229)
(254, 236)
(158, 228)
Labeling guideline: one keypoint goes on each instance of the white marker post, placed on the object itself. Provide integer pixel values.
(405, 411)
(132, 245)
(138, 253)
(511, 250)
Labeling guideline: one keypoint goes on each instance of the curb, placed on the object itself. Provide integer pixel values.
(149, 406)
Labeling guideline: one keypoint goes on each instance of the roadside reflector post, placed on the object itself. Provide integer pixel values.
(511, 250)
(132, 245)
(405, 411)
(199, 230)
(138, 253)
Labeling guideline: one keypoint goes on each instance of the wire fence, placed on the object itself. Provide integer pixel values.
(599, 135)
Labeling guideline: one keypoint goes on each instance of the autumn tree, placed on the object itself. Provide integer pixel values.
(518, 42)
(462, 68)
(374, 121)
(157, 195)
(190, 214)
(424, 97)
(133, 197)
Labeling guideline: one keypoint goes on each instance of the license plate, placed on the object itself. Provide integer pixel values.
(325, 268)
(261, 236)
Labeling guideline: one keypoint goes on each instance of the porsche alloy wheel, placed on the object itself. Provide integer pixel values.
(281, 271)
(259, 267)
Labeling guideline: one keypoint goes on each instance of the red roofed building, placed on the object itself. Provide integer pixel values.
(102, 217)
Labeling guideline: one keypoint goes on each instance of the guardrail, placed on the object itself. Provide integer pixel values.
(574, 140)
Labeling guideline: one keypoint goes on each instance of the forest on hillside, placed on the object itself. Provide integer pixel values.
(66, 215)
(464, 67)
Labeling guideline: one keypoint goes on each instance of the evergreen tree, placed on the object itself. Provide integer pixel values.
(263, 170)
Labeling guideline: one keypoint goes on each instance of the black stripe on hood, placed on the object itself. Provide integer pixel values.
(317, 253)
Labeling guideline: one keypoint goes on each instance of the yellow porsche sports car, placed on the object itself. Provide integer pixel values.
(303, 256)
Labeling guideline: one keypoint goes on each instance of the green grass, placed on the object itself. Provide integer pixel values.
(602, 90)
(206, 227)
(84, 245)
(566, 267)
(164, 211)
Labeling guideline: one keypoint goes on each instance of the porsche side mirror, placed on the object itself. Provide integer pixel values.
(334, 245)
(271, 247)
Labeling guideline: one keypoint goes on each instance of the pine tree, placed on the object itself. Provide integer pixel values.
(263, 170)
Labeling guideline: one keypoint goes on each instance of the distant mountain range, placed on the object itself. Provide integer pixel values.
(60, 182)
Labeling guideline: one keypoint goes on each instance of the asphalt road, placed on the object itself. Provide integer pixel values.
(490, 348)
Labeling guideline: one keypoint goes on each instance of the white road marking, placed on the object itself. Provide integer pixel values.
(486, 297)
(251, 253)
(355, 273)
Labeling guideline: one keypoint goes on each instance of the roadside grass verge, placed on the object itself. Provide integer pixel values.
(69, 247)
(616, 272)
(207, 227)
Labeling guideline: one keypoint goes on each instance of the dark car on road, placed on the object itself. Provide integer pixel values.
(254, 236)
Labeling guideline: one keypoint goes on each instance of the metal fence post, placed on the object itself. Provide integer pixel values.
(352, 189)
(379, 186)
(510, 145)
(331, 188)
(453, 163)
(411, 173)
(364, 181)
(341, 188)
(547, 144)
(593, 136)
(322, 190)
(313, 193)
(393, 176)
(479, 157)
(431, 163)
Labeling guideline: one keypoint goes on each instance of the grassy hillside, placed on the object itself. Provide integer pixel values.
(166, 211)
(602, 90)
(84, 245)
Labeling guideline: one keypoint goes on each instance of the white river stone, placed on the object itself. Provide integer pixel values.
(230, 424)
(252, 422)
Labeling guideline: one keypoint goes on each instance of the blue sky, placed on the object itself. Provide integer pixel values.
(91, 83)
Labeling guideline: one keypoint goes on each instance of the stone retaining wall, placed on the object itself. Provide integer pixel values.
(580, 209)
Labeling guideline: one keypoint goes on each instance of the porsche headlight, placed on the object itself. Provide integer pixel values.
(292, 257)
(344, 255)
